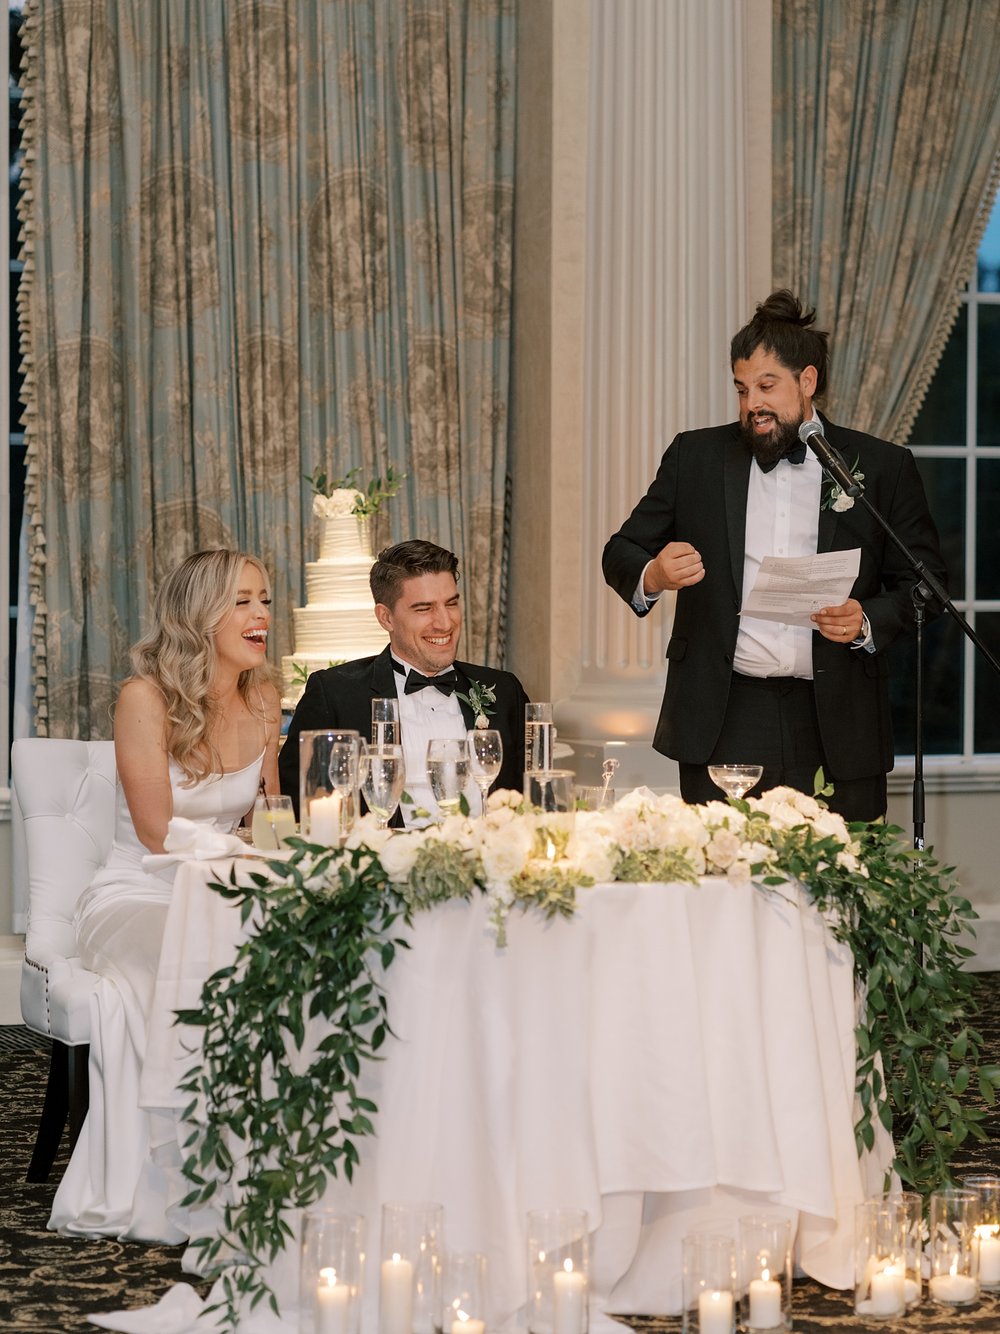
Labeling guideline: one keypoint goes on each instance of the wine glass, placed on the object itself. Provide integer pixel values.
(448, 771)
(735, 780)
(383, 774)
(486, 754)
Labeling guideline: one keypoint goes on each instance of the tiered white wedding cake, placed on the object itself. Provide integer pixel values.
(338, 621)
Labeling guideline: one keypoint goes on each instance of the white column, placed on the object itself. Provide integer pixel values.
(677, 253)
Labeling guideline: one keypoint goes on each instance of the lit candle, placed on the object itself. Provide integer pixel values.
(395, 1313)
(569, 1300)
(715, 1312)
(765, 1302)
(332, 1301)
(888, 1292)
(324, 819)
(466, 1324)
(954, 1288)
(989, 1253)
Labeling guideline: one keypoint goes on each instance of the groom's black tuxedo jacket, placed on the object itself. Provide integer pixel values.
(699, 495)
(341, 697)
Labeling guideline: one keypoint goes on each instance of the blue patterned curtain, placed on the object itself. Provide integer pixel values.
(886, 140)
(263, 237)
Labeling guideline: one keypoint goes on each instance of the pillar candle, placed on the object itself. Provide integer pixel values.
(332, 1303)
(954, 1288)
(888, 1292)
(324, 819)
(569, 1300)
(765, 1302)
(715, 1312)
(395, 1315)
(989, 1254)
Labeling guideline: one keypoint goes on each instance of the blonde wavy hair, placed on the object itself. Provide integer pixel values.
(178, 653)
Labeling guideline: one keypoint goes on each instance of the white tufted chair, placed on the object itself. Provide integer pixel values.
(63, 810)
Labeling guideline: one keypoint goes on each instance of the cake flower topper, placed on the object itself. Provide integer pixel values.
(363, 503)
(480, 700)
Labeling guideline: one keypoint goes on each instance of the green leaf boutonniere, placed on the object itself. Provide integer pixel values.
(834, 497)
(480, 700)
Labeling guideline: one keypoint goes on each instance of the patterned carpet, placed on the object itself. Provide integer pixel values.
(49, 1284)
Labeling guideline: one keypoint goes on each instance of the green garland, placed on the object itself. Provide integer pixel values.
(274, 1120)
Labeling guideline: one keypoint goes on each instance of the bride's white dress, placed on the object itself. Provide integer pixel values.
(112, 1187)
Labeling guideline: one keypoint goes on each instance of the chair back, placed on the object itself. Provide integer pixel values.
(63, 813)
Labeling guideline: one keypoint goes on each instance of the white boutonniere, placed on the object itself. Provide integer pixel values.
(835, 497)
(480, 700)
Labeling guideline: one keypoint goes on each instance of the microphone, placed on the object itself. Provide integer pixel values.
(811, 434)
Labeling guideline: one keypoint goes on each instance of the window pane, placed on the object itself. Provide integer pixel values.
(942, 689)
(944, 482)
(987, 730)
(941, 420)
(988, 383)
(987, 528)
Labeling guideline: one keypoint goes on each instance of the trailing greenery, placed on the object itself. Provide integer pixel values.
(280, 1118)
(274, 1117)
(919, 1058)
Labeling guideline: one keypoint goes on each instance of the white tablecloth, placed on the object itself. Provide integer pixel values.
(673, 1055)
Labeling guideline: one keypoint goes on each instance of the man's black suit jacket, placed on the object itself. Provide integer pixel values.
(341, 697)
(699, 495)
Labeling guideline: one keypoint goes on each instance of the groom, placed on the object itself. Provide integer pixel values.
(415, 587)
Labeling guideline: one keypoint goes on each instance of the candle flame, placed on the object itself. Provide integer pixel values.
(329, 1277)
(568, 1266)
(462, 1315)
(765, 1275)
(396, 1257)
(954, 1266)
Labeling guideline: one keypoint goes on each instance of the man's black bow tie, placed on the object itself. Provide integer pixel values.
(446, 682)
(797, 454)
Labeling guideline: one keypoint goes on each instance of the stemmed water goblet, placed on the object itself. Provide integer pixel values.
(735, 780)
(448, 771)
(486, 755)
(382, 772)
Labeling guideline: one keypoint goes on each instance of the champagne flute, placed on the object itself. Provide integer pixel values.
(383, 774)
(385, 721)
(343, 771)
(448, 771)
(486, 754)
(735, 780)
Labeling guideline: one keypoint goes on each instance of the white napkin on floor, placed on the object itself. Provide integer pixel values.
(193, 840)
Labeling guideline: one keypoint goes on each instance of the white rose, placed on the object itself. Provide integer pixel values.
(842, 502)
(724, 848)
(739, 873)
(505, 851)
(591, 852)
(399, 854)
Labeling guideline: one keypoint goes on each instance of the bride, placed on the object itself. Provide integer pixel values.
(196, 732)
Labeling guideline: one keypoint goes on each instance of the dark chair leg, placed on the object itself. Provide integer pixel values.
(66, 1095)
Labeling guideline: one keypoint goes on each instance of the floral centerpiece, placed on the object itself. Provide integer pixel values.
(326, 929)
(336, 498)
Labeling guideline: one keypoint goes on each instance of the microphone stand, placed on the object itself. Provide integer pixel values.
(926, 588)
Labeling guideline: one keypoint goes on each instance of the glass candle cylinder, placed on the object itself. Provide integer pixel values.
(412, 1253)
(988, 1230)
(708, 1284)
(910, 1205)
(765, 1272)
(558, 1255)
(331, 1272)
(326, 811)
(465, 1293)
(954, 1247)
(879, 1260)
(550, 794)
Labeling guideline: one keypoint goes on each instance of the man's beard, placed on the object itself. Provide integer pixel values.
(775, 444)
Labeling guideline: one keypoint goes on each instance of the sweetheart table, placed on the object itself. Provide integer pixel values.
(675, 1056)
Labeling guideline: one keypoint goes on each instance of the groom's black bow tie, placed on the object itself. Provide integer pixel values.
(797, 454)
(446, 682)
